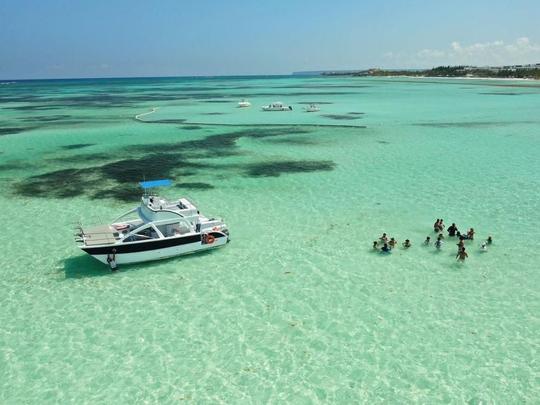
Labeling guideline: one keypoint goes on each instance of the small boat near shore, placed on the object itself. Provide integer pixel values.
(244, 103)
(277, 106)
(312, 108)
(156, 229)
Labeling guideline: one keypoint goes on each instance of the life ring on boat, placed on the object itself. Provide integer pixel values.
(210, 239)
(121, 227)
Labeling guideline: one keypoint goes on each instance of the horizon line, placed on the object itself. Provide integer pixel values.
(144, 77)
(299, 72)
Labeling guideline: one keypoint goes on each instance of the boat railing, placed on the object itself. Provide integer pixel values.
(125, 214)
(165, 210)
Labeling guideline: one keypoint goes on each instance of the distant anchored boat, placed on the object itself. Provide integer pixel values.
(156, 229)
(277, 106)
(244, 103)
(312, 108)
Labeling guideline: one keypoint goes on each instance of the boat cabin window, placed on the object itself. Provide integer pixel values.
(144, 234)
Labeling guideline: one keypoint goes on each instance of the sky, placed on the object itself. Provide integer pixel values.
(125, 38)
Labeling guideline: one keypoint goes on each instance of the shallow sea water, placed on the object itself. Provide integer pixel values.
(297, 308)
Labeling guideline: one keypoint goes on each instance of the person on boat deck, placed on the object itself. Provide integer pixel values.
(392, 243)
(383, 238)
(375, 245)
(452, 229)
(427, 241)
(470, 234)
(386, 248)
(462, 255)
(407, 243)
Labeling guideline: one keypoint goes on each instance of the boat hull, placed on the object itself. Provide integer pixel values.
(138, 252)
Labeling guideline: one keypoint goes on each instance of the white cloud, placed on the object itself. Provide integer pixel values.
(522, 50)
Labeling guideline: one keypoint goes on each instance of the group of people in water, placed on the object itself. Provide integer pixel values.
(385, 244)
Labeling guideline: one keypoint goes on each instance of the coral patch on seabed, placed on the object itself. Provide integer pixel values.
(118, 178)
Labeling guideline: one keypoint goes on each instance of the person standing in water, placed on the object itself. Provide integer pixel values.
(489, 240)
(383, 238)
(386, 248)
(407, 244)
(375, 245)
(111, 259)
(392, 243)
(427, 241)
(462, 255)
(436, 225)
(470, 234)
(452, 229)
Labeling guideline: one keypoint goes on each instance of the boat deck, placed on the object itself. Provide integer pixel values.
(100, 235)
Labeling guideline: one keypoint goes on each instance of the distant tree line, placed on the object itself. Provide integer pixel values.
(448, 71)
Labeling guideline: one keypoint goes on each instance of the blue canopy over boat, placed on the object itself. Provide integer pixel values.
(155, 183)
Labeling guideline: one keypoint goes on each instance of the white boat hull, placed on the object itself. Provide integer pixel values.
(127, 254)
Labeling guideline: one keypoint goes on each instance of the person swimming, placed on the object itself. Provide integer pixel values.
(392, 243)
(407, 244)
(452, 229)
(462, 255)
(427, 241)
(386, 248)
(483, 247)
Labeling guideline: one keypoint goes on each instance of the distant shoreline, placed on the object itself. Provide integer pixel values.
(459, 77)
(514, 72)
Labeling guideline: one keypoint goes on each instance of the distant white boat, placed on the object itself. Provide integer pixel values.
(277, 106)
(312, 108)
(244, 103)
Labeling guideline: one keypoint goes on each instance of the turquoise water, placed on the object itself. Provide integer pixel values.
(297, 308)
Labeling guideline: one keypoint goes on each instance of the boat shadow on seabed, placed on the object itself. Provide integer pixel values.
(84, 266)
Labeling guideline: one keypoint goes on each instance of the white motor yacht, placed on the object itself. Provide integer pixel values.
(244, 103)
(312, 108)
(277, 106)
(160, 229)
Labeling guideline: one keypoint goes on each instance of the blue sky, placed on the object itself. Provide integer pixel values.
(99, 38)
